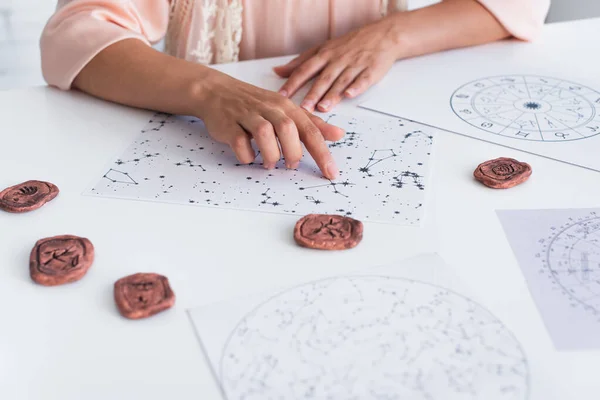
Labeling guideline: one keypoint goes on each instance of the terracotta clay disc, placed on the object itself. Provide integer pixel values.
(328, 232)
(60, 259)
(27, 196)
(502, 173)
(142, 295)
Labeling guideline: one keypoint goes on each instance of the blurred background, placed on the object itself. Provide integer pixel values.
(22, 21)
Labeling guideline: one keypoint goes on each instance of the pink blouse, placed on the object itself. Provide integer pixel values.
(218, 31)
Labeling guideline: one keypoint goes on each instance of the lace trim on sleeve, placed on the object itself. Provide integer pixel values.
(220, 32)
(228, 32)
(203, 51)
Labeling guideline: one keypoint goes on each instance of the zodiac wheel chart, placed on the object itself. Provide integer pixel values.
(529, 107)
(571, 259)
(372, 337)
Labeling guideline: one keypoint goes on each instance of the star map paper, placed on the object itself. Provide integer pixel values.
(381, 334)
(559, 254)
(384, 168)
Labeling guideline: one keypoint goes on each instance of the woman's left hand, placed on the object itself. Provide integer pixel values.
(344, 67)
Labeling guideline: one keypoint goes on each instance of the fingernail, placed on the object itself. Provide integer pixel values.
(332, 170)
(324, 105)
(284, 93)
(308, 105)
(268, 165)
(350, 92)
(295, 165)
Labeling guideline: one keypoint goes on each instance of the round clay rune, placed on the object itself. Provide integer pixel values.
(502, 173)
(328, 232)
(60, 259)
(142, 295)
(27, 196)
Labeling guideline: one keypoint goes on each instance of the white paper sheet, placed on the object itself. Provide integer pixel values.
(400, 332)
(541, 97)
(559, 254)
(384, 167)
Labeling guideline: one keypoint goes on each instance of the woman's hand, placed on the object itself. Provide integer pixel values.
(344, 67)
(350, 64)
(235, 112)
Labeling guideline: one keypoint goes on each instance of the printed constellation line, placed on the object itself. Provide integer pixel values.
(161, 122)
(189, 163)
(251, 163)
(416, 180)
(332, 185)
(348, 140)
(267, 199)
(116, 176)
(374, 161)
(135, 160)
(414, 133)
(329, 117)
(313, 200)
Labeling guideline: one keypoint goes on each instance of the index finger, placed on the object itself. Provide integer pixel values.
(315, 144)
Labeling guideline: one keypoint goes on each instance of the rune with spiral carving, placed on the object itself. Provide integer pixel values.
(328, 232)
(502, 173)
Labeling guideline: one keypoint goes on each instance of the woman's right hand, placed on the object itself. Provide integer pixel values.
(235, 112)
(132, 73)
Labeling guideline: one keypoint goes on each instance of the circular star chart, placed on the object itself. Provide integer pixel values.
(529, 107)
(571, 259)
(372, 337)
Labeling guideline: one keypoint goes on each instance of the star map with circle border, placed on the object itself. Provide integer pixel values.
(570, 258)
(372, 337)
(529, 107)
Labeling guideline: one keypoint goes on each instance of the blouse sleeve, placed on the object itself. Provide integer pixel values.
(522, 18)
(80, 29)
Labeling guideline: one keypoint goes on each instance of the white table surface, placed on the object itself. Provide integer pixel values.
(69, 342)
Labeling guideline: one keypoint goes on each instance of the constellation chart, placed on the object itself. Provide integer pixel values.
(529, 107)
(367, 337)
(562, 265)
(383, 162)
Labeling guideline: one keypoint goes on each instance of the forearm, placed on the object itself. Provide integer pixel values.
(447, 25)
(132, 73)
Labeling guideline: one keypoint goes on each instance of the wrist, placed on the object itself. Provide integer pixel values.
(201, 89)
(401, 35)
